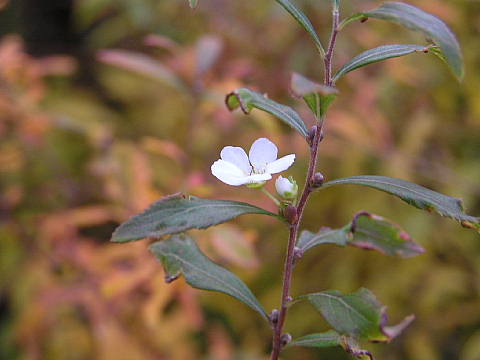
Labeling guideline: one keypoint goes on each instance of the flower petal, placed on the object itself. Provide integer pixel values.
(281, 164)
(258, 178)
(237, 156)
(229, 173)
(262, 152)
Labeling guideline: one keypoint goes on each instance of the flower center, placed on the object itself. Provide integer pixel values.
(259, 170)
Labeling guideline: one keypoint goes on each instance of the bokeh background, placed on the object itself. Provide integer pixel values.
(107, 105)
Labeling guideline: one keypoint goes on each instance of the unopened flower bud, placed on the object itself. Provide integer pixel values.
(318, 180)
(286, 188)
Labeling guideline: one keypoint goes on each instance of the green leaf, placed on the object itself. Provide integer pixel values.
(366, 231)
(320, 340)
(177, 213)
(418, 20)
(318, 97)
(378, 54)
(248, 99)
(415, 195)
(180, 255)
(304, 22)
(193, 3)
(358, 315)
(340, 237)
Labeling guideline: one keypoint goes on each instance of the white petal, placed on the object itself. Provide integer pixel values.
(238, 157)
(258, 178)
(281, 164)
(262, 152)
(229, 173)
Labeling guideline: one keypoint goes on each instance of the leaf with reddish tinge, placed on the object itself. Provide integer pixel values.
(366, 231)
(318, 97)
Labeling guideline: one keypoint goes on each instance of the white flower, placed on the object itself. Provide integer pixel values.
(236, 168)
(286, 188)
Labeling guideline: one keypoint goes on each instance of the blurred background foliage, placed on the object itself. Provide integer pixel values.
(107, 105)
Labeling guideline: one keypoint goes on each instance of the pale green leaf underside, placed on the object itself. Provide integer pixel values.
(181, 256)
(193, 3)
(247, 99)
(302, 19)
(418, 20)
(416, 195)
(177, 213)
(319, 340)
(368, 232)
(378, 54)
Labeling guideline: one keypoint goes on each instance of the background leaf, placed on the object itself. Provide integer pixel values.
(358, 315)
(247, 99)
(181, 256)
(418, 20)
(378, 54)
(177, 213)
(416, 195)
(304, 22)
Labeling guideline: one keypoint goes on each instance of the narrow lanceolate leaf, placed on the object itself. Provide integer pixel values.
(248, 99)
(180, 255)
(416, 195)
(320, 340)
(318, 97)
(418, 20)
(368, 232)
(358, 315)
(193, 3)
(304, 22)
(178, 213)
(378, 54)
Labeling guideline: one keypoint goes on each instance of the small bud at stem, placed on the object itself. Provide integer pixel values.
(286, 338)
(318, 180)
(290, 214)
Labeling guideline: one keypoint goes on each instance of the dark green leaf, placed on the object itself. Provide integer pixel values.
(193, 3)
(180, 255)
(247, 99)
(318, 97)
(366, 231)
(320, 340)
(416, 195)
(418, 20)
(304, 22)
(378, 54)
(358, 315)
(339, 237)
(177, 213)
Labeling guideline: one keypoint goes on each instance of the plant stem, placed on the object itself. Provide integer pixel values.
(307, 190)
(270, 196)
